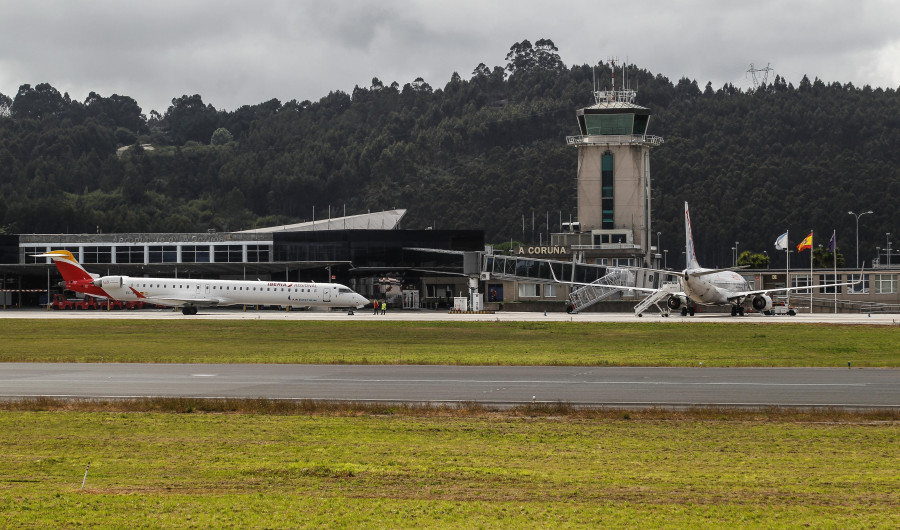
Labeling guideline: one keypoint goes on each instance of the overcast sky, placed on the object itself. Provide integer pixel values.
(237, 53)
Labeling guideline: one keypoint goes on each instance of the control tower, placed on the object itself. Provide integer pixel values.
(613, 181)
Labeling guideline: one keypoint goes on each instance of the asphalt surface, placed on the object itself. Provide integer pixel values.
(490, 385)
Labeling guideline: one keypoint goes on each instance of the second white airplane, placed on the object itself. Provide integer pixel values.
(712, 287)
(190, 294)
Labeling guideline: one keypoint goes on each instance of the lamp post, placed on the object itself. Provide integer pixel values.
(735, 253)
(658, 247)
(767, 258)
(888, 237)
(858, 215)
(665, 259)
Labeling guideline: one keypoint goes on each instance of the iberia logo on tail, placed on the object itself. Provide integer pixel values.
(76, 277)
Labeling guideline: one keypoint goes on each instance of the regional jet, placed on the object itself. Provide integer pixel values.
(190, 295)
(711, 287)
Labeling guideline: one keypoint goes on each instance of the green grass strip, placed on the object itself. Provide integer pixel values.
(465, 343)
(248, 470)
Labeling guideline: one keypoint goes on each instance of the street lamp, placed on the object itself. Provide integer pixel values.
(888, 237)
(658, 247)
(733, 256)
(767, 258)
(665, 259)
(858, 215)
(735, 253)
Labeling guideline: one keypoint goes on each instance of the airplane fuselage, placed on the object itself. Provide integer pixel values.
(180, 292)
(717, 288)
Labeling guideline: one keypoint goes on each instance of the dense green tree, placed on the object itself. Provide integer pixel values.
(221, 136)
(188, 119)
(483, 152)
(754, 260)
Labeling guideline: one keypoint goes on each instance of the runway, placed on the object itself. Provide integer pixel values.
(498, 386)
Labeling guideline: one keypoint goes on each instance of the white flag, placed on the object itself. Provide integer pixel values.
(782, 242)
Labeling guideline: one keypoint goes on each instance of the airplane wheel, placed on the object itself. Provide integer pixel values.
(684, 311)
(691, 311)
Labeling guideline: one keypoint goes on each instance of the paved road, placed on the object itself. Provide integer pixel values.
(492, 385)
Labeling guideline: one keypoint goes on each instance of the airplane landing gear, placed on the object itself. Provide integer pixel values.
(189, 310)
(737, 310)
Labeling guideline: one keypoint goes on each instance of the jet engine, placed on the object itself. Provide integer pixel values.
(762, 302)
(674, 302)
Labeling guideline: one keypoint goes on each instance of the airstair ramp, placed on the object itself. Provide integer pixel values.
(601, 289)
(657, 297)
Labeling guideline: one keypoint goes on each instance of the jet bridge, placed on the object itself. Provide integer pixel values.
(595, 282)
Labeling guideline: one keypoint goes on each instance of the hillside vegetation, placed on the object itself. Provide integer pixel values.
(486, 150)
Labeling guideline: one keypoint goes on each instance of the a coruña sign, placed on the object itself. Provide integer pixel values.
(554, 250)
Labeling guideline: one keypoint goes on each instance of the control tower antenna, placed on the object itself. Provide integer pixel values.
(753, 71)
(624, 94)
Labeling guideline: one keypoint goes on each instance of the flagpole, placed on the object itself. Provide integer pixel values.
(787, 272)
(811, 283)
(834, 258)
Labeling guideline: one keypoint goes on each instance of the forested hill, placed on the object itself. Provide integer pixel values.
(486, 150)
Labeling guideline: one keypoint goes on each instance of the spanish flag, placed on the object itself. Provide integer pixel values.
(805, 244)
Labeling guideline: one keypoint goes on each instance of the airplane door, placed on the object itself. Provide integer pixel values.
(198, 289)
(206, 290)
(326, 294)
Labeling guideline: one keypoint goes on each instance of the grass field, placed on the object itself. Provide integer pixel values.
(473, 343)
(345, 468)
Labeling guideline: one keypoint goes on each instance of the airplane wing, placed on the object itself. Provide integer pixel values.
(744, 294)
(179, 302)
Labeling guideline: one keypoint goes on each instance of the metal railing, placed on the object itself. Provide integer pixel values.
(588, 295)
(604, 139)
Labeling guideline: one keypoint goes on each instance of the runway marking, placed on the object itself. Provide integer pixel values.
(288, 379)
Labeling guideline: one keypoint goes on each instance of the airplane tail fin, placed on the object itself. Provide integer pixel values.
(690, 255)
(68, 266)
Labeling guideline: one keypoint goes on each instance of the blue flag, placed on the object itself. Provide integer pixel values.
(832, 242)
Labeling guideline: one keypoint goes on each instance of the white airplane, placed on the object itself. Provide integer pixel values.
(711, 287)
(190, 295)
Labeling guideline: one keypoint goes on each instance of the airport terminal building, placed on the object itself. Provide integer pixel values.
(368, 253)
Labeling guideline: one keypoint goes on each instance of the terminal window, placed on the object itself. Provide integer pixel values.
(130, 254)
(258, 253)
(229, 253)
(885, 284)
(859, 288)
(830, 278)
(195, 254)
(97, 254)
(163, 254)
